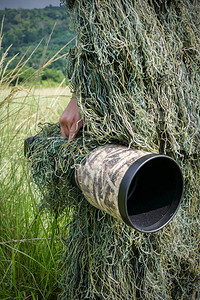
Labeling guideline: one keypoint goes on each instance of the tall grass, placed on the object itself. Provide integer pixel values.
(30, 240)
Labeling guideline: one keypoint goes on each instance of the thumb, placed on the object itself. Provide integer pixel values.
(72, 132)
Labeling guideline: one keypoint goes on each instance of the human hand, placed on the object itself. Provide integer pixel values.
(70, 120)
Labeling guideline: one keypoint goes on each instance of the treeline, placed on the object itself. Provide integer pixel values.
(24, 29)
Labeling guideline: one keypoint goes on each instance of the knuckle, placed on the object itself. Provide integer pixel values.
(72, 130)
(61, 120)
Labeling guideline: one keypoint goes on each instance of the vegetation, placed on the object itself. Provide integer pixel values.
(31, 241)
(44, 31)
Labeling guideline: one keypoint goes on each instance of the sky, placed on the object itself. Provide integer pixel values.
(27, 3)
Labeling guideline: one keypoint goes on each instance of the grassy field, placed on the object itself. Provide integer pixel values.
(31, 242)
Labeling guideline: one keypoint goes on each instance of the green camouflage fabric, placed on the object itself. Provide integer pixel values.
(136, 73)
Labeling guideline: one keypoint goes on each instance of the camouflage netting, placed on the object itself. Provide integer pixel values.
(136, 73)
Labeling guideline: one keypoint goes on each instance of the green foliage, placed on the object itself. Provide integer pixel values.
(24, 29)
(52, 75)
(30, 241)
(47, 77)
(21, 77)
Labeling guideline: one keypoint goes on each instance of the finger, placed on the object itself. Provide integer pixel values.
(72, 132)
(64, 131)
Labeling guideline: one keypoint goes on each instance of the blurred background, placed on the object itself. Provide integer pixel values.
(28, 4)
(40, 26)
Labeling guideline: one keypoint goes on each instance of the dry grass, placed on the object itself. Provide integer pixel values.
(30, 242)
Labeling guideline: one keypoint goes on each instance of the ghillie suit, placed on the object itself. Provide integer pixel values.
(136, 73)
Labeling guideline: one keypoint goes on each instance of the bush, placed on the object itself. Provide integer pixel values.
(51, 77)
